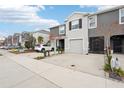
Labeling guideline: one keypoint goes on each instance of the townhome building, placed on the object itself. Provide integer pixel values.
(76, 40)
(92, 33)
(41, 33)
(25, 36)
(16, 39)
(9, 40)
(106, 29)
(57, 36)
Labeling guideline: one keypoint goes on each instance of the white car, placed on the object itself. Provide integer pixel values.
(3, 47)
(42, 48)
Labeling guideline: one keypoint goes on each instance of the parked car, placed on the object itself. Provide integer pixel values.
(8, 47)
(43, 47)
(1, 47)
(4, 47)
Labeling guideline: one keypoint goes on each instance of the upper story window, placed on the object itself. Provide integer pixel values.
(75, 24)
(121, 16)
(92, 21)
(62, 30)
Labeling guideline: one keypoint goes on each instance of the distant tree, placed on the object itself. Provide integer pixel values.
(33, 41)
(40, 39)
(27, 44)
(30, 43)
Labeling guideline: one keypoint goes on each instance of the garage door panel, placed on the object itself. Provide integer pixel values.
(76, 45)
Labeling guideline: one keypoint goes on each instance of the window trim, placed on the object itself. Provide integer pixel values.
(60, 32)
(71, 24)
(95, 16)
(120, 16)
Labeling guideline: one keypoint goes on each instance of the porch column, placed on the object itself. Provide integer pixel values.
(54, 45)
(106, 41)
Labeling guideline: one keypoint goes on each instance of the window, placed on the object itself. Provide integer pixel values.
(62, 30)
(75, 24)
(121, 16)
(92, 21)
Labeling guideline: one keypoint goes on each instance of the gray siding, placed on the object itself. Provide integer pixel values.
(107, 26)
(55, 31)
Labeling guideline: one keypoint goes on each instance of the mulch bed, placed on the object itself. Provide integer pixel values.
(39, 58)
(26, 51)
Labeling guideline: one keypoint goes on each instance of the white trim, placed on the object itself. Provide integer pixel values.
(120, 16)
(95, 16)
(75, 38)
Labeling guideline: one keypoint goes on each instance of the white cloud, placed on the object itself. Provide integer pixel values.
(99, 7)
(26, 15)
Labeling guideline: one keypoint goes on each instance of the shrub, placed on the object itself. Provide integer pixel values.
(40, 39)
(107, 67)
(39, 57)
(27, 44)
(119, 72)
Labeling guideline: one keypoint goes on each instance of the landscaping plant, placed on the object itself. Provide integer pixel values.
(0, 54)
(107, 65)
(27, 45)
(40, 39)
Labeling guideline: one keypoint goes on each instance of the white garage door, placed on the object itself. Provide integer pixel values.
(76, 45)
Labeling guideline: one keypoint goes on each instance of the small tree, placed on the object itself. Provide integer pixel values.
(33, 42)
(27, 44)
(40, 39)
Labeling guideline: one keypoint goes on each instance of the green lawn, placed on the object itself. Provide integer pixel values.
(0, 54)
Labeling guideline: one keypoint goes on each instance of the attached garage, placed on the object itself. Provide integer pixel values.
(96, 44)
(76, 46)
(117, 43)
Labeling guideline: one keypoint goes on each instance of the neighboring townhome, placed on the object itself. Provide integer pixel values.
(57, 36)
(16, 39)
(106, 29)
(9, 40)
(25, 36)
(76, 40)
(41, 33)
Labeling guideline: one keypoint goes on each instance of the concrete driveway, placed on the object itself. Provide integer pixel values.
(92, 63)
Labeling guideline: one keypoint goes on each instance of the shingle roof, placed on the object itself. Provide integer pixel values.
(42, 31)
(57, 26)
(107, 10)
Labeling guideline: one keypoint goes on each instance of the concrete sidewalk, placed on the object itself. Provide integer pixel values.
(64, 77)
(13, 74)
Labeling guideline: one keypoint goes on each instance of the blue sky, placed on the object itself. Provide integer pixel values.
(60, 12)
(31, 18)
